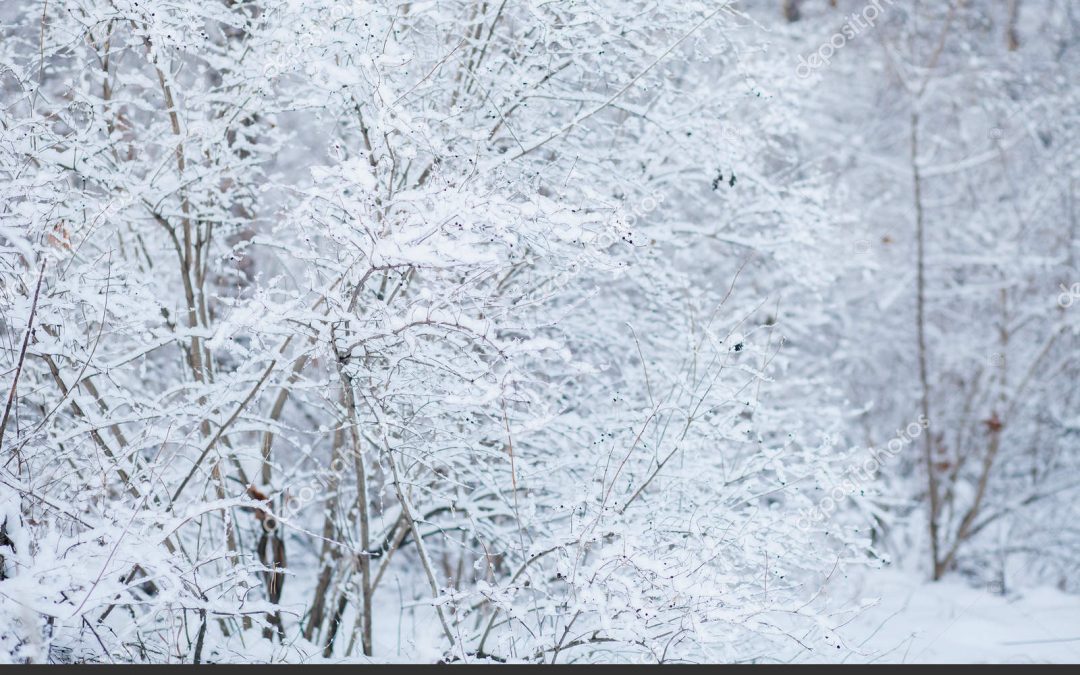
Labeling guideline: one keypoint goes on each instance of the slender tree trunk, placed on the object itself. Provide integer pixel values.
(920, 328)
(22, 353)
(364, 557)
(330, 557)
(1012, 38)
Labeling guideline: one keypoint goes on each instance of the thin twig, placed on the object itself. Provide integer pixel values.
(22, 351)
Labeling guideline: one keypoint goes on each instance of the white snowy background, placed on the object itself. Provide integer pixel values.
(539, 331)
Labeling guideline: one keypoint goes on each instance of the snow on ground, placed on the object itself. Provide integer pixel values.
(916, 621)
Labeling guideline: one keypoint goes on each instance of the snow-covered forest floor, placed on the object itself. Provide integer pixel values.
(543, 331)
(914, 621)
(891, 617)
